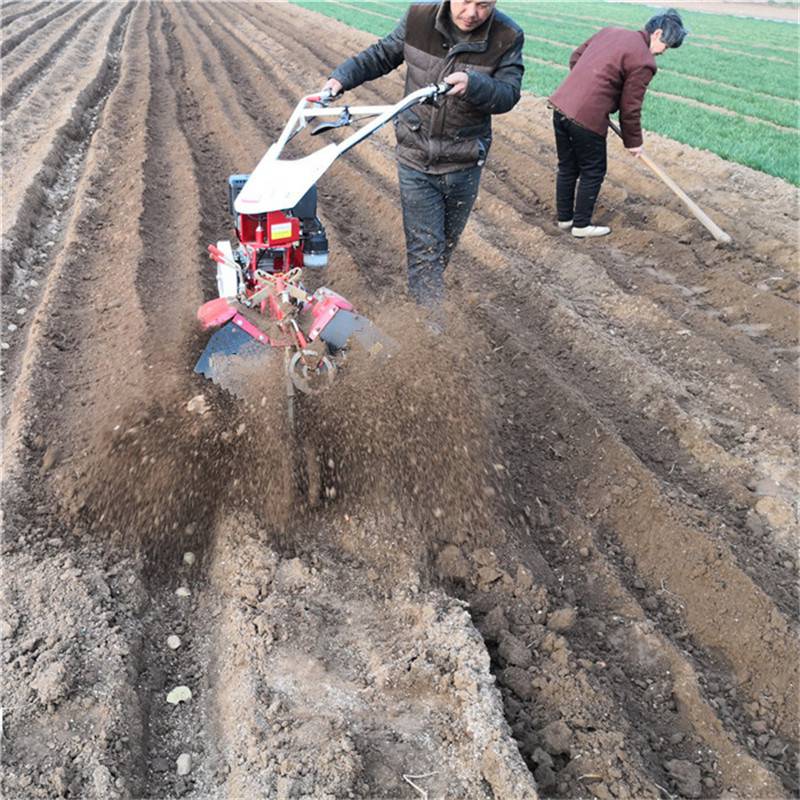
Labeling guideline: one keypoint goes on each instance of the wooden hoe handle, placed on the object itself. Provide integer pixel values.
(698, 212)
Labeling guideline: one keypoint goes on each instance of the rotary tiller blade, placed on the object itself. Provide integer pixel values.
(238, 363)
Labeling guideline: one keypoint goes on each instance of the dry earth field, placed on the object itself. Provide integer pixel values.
(556, 551)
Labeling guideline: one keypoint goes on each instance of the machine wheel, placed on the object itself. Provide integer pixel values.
(311, 381)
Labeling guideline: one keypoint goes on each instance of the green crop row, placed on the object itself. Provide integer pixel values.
(753, 143)
(759, 36)
(738, 69)
(778, 78)
(723, 29)
(737, 99)
(770, 109)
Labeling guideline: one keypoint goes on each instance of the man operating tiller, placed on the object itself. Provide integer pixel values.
(441, 148)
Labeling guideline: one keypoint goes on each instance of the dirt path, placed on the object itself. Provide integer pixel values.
(558, 560)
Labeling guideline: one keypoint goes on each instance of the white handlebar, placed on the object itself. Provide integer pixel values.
(278, 184)
(304, 111)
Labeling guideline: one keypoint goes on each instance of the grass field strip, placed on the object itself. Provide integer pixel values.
(783, 42)
(729, 99)
(778, 81)
(637, 21)
(751, 117)
(739, 101)
(568, 20)
(779, 78)
(696, 102)
(702, 25)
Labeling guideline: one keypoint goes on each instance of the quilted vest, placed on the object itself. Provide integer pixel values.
(453, 134)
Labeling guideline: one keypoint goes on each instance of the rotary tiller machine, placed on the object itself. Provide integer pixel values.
(263, 309)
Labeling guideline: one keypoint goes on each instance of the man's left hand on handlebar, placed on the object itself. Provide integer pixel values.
(459, 81)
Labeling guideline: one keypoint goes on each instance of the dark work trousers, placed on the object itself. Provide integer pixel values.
(581, 160)
(435, 211)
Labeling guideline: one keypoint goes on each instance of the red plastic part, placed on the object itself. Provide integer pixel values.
(215, 313)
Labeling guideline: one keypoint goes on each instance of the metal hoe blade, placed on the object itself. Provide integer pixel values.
(237, 363)
(347, 327)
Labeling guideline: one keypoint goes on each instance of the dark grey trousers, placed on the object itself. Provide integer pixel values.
(435, 211)
(581, 154)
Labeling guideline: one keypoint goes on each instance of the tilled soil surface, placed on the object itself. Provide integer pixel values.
(552, 553)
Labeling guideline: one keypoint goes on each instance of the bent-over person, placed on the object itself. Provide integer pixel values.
(608, 72)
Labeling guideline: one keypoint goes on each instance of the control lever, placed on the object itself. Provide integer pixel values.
(345, 118)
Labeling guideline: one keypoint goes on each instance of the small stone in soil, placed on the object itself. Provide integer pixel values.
(545, 777)
(775, 748)
(686, 776)
(182, 591)
(184, 764)
(197, 405)
(173, 642)
(759, 726)
(180, 694)
(556, 737)
(561, 620)
(188, 558)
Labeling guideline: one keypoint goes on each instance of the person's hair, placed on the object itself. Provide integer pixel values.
(671, 25)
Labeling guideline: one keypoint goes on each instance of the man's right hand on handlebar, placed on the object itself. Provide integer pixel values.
(333, 86)
(459, 81)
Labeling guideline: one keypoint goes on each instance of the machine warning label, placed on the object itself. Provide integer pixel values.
(281, 230)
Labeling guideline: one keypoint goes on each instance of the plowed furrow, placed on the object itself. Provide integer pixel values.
(687, 454)
(185, 159)
(58, 383)
(168, 275)
(75, 279)
(19, 86)
(34, 127)
(687, 304)
(11, 42)
(602, 491)
(548, 475)
(113, 341)
(25, 57)
(617, 642)
(241, 102)
(34, 241)
(27, 12)
(208, 144)
(640, 405)
(699, 615)
(352, 211)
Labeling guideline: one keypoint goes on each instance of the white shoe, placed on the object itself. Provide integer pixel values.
(591, 231)
(565, 226)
